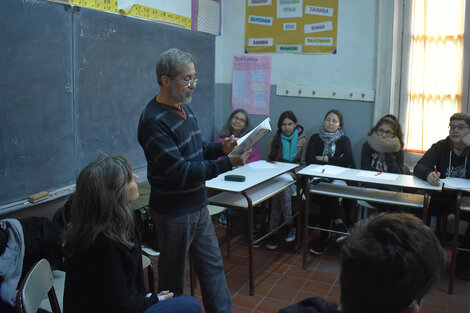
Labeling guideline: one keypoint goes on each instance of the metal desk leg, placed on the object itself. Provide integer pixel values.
(306, 216)
(425, 207)
(455, 240)
(250, 247)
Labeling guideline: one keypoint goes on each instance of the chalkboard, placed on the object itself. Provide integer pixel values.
(36, 114)
(74, 82)
(114, 61)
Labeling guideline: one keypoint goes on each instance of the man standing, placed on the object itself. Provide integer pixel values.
(179, 163)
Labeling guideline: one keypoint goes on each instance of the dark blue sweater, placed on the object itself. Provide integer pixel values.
(178, 161)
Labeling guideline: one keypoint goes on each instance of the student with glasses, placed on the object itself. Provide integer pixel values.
(237, 125)
(449, 158)
(383, 150)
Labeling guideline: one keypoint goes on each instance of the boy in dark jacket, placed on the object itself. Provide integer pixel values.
(450, 158)
(388, 264)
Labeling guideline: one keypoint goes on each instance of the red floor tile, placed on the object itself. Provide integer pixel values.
(282, 294)
(280, 280)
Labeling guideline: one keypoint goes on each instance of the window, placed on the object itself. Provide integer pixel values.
(434, 82)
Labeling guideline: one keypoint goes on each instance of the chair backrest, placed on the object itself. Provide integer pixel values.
(35, 287)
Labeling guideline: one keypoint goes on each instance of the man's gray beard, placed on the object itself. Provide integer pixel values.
(182, 98)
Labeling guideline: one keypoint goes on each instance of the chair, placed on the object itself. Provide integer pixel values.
(463, 204)
(147, 264)
(36, 286)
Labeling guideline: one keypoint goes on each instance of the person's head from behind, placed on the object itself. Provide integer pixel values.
(101, 202)
(459, 126)
(176, 73)
(389, 262)
(333, 121)
(388, 127)
(287, 123)
(238, 123)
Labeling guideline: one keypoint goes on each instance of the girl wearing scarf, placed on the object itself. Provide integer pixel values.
(383, 150)
(287, 145)
(330, 146)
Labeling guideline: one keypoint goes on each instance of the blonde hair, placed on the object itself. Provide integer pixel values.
(100, 204)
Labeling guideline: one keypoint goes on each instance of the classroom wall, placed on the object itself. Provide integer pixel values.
(352, 67)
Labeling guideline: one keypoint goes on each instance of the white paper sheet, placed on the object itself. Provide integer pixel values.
(328, 169)
(378, 175)
(456, 183)
(249, 140)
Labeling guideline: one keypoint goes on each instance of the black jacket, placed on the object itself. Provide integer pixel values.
(106, 277)
(442, 155)
(343, 153)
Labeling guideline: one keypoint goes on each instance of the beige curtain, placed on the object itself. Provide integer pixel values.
(435, 74)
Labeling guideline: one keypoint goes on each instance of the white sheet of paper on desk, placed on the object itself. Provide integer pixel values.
(377, 175)
(328, 169)
(260, 165)
(456, 183)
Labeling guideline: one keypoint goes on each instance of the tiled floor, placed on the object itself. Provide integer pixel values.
(280, 280)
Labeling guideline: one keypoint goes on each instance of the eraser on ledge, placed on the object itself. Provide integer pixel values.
(38, 196)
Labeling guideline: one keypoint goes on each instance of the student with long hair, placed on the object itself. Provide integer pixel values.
(104, 265)
(287, 145)
(237, 125)
(330, 146)
(383, 150)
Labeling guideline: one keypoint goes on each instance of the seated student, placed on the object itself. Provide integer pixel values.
(104, 265)
(238, 125)
(287, 145)
(383, 150)
(330, 146)
(449, 158)
(388, 264)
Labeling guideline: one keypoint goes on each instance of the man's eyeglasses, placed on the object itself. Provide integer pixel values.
(189, 82)
(457, 127)
(186, 82)
(387, 133)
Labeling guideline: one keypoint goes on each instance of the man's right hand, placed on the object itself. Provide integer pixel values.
(239, 160)
(433, 178)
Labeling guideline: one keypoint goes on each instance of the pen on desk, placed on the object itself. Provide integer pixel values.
(323, 170)
(378, 173)
(270, 162)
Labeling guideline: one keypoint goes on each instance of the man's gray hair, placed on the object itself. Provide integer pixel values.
(169, 61)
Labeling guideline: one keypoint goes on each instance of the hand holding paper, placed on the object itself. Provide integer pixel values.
(229, 144)
(249, 140)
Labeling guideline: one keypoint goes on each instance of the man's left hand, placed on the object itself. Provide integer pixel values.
(229, 144)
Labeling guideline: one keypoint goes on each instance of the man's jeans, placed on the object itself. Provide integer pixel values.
(193, 233)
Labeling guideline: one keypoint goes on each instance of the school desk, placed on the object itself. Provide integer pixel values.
(263, 180)
(378, 179)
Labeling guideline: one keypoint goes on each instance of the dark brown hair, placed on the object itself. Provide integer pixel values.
(388, 261)
(100, 204)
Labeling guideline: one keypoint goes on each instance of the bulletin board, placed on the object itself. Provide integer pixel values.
(296, 26)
